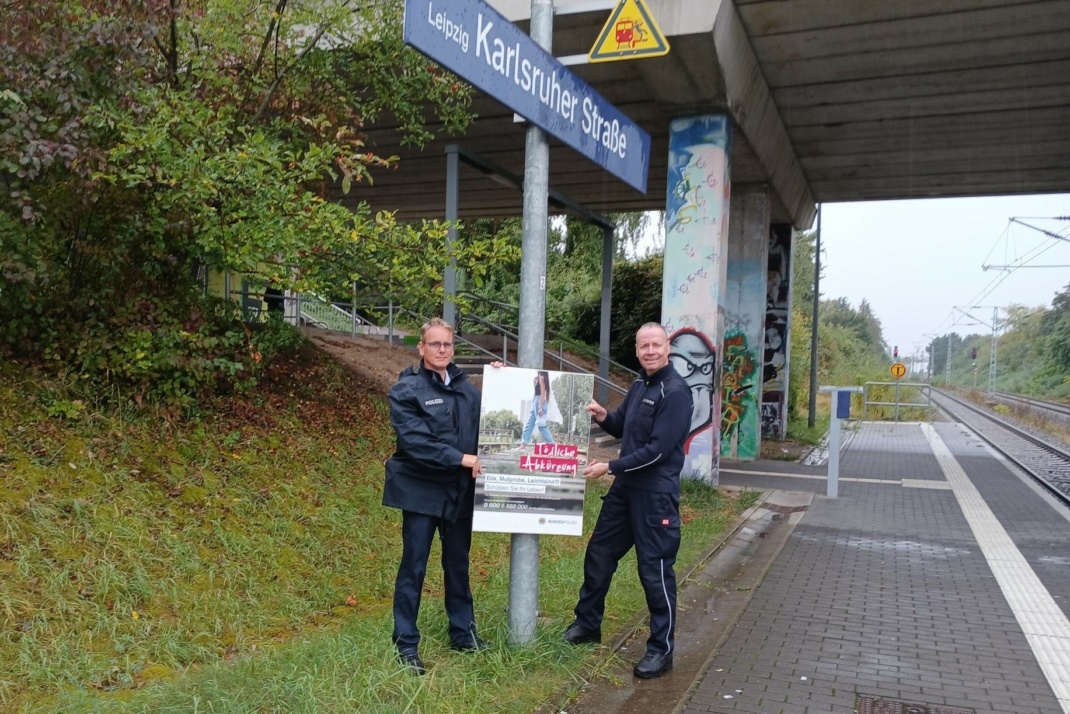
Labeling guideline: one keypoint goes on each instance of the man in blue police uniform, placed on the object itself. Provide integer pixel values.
(435, 413)
(642, 507)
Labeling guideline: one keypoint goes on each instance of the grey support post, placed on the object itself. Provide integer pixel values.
(839, 411)
(524, 558)
(607, 304)
(449, 279)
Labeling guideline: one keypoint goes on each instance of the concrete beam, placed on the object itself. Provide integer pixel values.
(1006, 78)
(751, 105)
(766, 17)
(907, 63)
(949, 104)
(860, 35)
(945, 185)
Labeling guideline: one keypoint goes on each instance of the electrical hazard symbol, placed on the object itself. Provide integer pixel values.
(629, 33)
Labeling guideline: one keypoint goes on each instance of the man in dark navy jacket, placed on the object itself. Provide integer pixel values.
(642, 507)
(435, 412)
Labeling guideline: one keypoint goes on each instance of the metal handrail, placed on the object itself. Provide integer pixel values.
(507, 335)
(574, 345)
(459, 337)
(923, 387)
(456, 338)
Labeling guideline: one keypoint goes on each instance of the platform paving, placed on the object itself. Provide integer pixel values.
(884, 598)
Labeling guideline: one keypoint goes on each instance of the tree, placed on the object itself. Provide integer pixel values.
(573, 394)
(636, 300)
(1055, 324)
(503, 419)
(143, 142)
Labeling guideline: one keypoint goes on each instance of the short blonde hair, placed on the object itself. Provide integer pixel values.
(434, 322)
(651, 326)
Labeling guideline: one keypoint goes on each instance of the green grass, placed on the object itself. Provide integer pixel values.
(799, 430)
(241, 561)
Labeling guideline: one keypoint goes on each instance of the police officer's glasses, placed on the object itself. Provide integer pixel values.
(436, 346)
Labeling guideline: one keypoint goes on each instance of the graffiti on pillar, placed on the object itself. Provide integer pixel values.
(777, 322)
(692, 355)
(740, 398)
(696, 242)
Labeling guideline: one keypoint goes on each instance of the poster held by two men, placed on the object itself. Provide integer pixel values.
(534, 435)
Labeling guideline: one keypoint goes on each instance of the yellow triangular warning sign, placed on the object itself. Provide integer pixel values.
(630, 32)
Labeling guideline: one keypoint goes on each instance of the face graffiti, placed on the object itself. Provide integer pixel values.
(692, 356)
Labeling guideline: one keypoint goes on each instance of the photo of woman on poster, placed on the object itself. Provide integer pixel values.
(543, 407)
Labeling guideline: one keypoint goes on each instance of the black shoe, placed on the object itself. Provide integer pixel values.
(576, 635)
(475, 644)
(412, 660)
(653, 665)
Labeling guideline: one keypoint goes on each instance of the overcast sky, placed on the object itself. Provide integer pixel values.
(915, 261)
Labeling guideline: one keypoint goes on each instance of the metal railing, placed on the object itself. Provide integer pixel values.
(301, 308)
(311, 309)
(564, 343)
(563, 362)
(912, 389)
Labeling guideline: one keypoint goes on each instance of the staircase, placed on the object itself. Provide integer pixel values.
(317, 312)
(484, 342)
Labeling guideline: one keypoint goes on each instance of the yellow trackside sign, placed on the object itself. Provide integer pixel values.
(629, 33)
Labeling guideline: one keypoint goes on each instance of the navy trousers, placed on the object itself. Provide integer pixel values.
(651, 522)
(417, 534)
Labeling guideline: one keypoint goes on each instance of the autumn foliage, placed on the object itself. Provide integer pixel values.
(145, 143)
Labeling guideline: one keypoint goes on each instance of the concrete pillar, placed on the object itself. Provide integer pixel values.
(744, 336)
(693, 290)
(777, 333)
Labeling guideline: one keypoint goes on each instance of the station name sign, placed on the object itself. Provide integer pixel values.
(475, 42)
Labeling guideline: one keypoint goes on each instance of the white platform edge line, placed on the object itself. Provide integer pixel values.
(1032, 604)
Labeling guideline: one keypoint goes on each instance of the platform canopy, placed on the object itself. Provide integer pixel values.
(831, 100)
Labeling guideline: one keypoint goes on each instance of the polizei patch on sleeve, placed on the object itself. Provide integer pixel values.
(432, 402)
(647, 400)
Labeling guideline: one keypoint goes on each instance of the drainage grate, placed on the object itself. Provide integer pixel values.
(869, 705)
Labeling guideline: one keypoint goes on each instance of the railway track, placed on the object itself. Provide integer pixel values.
(1049, 465)
(1054, 408)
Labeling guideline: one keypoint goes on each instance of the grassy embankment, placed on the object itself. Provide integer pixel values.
(240, 561)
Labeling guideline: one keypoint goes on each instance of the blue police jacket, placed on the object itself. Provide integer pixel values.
(436, 425)
(652, 422)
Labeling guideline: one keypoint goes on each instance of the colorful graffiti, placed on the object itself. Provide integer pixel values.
(777, 325)
(693, 288)
(691, 353)
(739, 387)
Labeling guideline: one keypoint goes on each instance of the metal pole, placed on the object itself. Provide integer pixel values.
(832, 487)
(992, 360)
(390, 319)
(947, 361)
(449, 278)
(353, 311)
(524, 558)
(812, 418)
(897, 400)
(607, 306)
